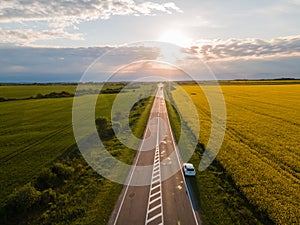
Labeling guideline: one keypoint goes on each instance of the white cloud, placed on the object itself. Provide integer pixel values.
(77, 10)
(232, 49)
(59, 15)
(25, 37)
(147, 8)
(296, 2)
(247, 58)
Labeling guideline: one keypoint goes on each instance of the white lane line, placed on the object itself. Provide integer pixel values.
(156, 207)
(156, 173)
(156, 188)
(180, 163)
(155, 200)
(155, 176)
(135, 164)
(154, 217)
(155, 184)
(155, 195)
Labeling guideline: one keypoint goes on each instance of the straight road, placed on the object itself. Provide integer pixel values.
(164, 199)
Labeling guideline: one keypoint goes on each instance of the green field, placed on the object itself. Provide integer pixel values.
(254, 180)
(21, 92)
(26, 91)
(260, 153)
(35, 135)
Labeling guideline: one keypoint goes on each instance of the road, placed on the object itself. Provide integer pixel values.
(164, 199)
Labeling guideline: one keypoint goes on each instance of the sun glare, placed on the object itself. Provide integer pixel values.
(176, 37)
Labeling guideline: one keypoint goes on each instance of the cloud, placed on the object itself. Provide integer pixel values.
(77, 10)
(25, 37)
(31, 64)
(16, 68)
(231, 59)
(268, 68)
(60, 15)
(233, 49)
(247, 58)
(296, 2)
(147, 8)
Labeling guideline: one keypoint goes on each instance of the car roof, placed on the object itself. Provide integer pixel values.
(189, 165)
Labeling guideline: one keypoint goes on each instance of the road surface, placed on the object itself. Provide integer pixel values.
(165, 199)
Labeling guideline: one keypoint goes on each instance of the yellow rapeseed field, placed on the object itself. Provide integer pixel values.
(261, 145)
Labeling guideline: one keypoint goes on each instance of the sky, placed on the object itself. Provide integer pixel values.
(57, 41)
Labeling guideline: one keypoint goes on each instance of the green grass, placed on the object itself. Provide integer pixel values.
(31, 91)
(26, 91)
(173, 116)
(141, 114)
(33, 134)
(37, 133)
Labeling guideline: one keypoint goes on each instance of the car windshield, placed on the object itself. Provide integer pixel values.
(190, 169)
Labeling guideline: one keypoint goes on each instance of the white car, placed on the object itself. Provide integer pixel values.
(188, 169)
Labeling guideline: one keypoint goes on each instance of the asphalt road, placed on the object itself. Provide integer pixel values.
(165, 199)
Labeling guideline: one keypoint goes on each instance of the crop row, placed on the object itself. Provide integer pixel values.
(261, 146)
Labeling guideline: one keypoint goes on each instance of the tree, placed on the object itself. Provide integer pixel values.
(24, 199)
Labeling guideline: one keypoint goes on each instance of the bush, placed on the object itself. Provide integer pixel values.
(104, 128)
(47, 179)
(23, 199)
(54, 95)
(54, 177)
(2, 99)
(62, 171)
(48, 195)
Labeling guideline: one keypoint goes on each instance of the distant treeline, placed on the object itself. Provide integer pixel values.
(62, 94)
(37, 84)
(69, 83)
(125, 83)
(96, 91)
(243, 81)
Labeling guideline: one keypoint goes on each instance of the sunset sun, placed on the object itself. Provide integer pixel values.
(175, 37)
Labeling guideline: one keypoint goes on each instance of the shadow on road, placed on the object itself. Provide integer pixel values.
(192, 188)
